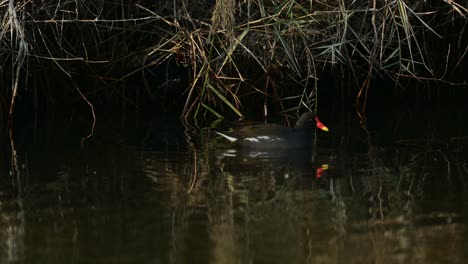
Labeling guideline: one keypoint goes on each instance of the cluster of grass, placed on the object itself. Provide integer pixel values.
(234, 49)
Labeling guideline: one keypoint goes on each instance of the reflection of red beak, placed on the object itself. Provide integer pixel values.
(320, 171)
(320, 124)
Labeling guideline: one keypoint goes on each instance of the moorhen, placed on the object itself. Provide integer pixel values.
(273, 136)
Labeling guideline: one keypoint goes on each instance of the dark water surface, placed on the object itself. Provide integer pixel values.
(149, 190)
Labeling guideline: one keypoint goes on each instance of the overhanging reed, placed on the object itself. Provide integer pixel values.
(233, 48)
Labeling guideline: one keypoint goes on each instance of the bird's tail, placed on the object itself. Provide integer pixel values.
(230, 138)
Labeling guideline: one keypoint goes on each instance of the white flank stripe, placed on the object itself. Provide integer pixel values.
(252, 139)
(264, 138)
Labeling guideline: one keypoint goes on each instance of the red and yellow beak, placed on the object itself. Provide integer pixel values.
(320, 124)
